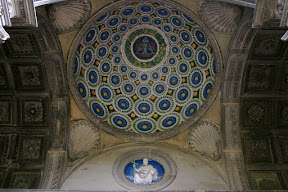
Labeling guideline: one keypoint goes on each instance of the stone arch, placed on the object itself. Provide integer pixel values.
(59, 112)
(239, 49)
(36, 94)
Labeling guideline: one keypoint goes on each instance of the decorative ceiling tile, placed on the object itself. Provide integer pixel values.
(33, 111)
(282, 113)
(220, 16)
(256, 113)
(3, 78)
(260, 78)
(284, 80)
(258, 150)
(4, 147)
(24, 179)
(30, 148)
(265, 180)
(268, 44)
(5, 111)
(144, 68)
(283, 143)
(28, 76)
(23, 44)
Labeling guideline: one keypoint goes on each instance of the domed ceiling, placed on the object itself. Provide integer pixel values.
(144, 68)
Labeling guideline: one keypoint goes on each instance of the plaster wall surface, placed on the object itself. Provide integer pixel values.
(192, 173)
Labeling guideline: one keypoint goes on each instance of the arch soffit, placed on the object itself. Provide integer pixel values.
(239, 49)
(59, 102)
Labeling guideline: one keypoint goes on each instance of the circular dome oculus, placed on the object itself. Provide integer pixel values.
(139, 70)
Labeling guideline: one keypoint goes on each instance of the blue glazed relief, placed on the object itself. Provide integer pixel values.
(144, 171)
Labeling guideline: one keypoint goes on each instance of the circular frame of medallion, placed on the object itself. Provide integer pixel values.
(102, 123)
(165, 160)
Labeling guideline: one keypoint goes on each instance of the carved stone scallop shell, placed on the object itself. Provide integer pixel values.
(205, 139)
(84, 137)
(69, 15)
(220, 16)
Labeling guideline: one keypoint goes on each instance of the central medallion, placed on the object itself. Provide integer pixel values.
(145, 47)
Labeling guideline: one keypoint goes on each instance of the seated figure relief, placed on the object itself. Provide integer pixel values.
(145, 173)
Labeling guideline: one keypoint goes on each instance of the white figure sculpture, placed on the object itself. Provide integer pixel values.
(145, 173)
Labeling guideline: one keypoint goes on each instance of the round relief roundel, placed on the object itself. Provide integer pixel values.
(141, 69)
